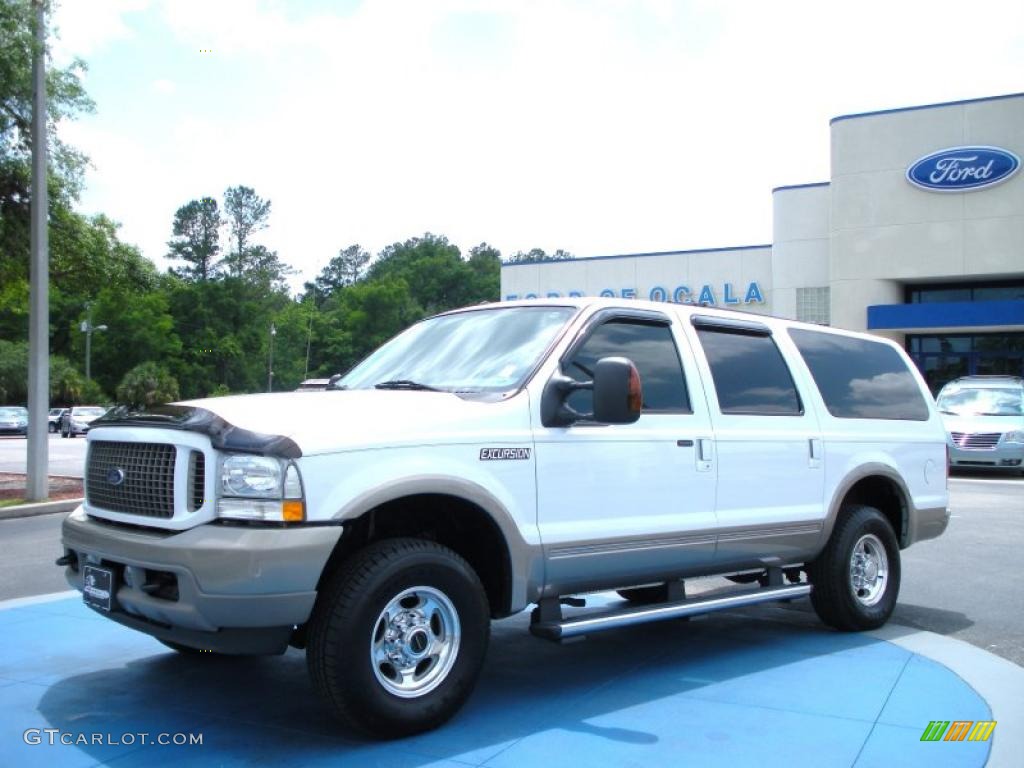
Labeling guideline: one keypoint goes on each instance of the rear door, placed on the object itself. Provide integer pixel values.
(622, 503)
(767, 443)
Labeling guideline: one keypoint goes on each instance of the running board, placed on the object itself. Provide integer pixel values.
(626, 617)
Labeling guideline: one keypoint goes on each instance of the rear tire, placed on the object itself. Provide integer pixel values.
(398, 637)
(857, 577)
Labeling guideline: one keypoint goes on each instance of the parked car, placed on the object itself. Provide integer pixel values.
(505, 456)
(54, 418)
(13, 420)
(77, 418)
(310, 385)
(984, 419)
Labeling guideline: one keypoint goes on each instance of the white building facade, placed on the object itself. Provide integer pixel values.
(918, 236)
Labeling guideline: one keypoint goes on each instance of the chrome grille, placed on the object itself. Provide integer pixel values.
(196, 480)
(133, 478)
(976, 441)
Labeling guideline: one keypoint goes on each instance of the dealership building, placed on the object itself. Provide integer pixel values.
(918, 236)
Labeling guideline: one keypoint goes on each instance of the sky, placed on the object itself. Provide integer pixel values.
(596, 126)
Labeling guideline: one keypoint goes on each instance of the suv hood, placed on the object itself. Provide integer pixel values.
(327, 421)
(975, 423)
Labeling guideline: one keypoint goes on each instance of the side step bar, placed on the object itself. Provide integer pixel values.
(581, 625)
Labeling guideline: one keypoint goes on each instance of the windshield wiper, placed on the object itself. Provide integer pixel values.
(950, 413)
(404, 384)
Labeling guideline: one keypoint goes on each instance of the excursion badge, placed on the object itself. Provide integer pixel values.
(504, 454)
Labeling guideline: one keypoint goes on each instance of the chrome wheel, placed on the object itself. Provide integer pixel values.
(869, 570)
(415, 642)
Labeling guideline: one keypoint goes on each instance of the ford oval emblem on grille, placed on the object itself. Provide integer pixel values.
(115, 476)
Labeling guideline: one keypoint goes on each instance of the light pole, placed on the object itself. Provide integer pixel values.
(270, 368)
(37, 480)
(88, 328)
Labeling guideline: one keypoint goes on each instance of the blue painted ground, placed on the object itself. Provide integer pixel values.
(739, 689)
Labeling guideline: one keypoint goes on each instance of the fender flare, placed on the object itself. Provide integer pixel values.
(874, 469)
(526, 562)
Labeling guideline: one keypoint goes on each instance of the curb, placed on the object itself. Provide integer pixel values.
(998, 681)
(42, 508)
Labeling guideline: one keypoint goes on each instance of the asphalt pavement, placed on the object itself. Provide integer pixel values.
(961, 585)
(67, 455)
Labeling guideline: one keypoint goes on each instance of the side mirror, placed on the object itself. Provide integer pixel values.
(618, 396)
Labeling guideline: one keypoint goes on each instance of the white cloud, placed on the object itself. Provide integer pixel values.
(598, 127)
(86, 26)
(162, 85)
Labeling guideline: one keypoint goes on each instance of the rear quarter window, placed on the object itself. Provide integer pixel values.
(860, 379)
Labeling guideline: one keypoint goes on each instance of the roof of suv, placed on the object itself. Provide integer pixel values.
(579, 302)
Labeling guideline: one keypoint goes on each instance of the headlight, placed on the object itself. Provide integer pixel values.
(260, 488)
(251, 476)
(1016, 436)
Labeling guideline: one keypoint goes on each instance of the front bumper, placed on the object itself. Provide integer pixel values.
(231, 589)
(1003, 456)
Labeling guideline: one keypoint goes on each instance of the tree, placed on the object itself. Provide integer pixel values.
(146, 385)
(140, 328)
(343, 270)
(437, 276)
(264, 267)
(13, 371)
(246, 213)
(196, 230)
(66, 98)
(69, 387)
(357, 320)
(485, 262)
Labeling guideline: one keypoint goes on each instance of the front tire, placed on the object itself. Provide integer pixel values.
(857, 577)
(398, 637)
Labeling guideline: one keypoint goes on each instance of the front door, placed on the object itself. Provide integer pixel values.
(620, 504)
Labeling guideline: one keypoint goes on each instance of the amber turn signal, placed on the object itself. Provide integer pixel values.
(293, 511)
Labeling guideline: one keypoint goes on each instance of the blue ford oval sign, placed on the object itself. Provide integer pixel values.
(959, 169)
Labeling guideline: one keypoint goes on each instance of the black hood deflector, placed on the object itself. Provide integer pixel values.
(223, 435)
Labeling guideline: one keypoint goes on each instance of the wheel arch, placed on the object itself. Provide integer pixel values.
(876, 485)
(458, 514)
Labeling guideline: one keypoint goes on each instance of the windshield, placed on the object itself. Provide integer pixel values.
(990, 401)
(486, 350)
(90, 412)
(13, 413)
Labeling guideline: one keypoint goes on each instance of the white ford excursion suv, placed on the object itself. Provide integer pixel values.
(509, 455)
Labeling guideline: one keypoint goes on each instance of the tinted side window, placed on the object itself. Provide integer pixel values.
(749, 373)
(651, 348)
(860, 379)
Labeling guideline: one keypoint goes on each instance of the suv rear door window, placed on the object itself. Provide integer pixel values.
(860, 379)
(749, 373)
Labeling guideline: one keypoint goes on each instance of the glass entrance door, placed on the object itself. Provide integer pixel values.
(944, 358)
